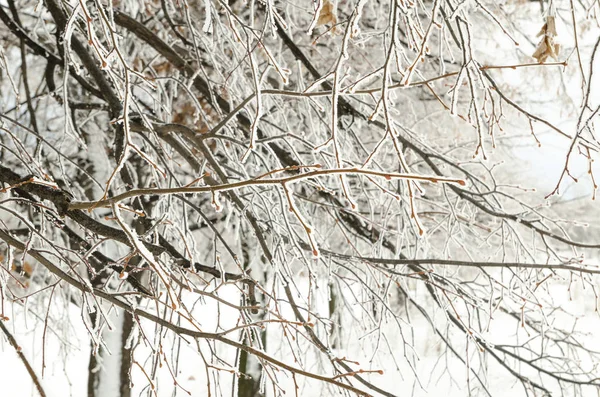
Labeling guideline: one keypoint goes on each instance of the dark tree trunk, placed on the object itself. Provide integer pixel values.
(93, 370)
(124, 381)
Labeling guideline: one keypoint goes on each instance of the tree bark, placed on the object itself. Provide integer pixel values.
(126, 362)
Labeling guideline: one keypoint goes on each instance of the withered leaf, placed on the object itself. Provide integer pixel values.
(547, 47)
(326, 16)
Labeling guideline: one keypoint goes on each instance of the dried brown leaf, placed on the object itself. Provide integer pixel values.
(542, 31)
(547, 47)
(327, 16)
(540, 52)
(551, 26)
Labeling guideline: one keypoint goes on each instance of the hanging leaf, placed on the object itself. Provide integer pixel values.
(547, 47)
(327, 16)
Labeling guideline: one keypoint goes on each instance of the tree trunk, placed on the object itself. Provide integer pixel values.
(93, 370)
(124, 381)
(249, 383)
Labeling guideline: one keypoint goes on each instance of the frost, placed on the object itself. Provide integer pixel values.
(215, 202)
(207, 27)
(327, 229)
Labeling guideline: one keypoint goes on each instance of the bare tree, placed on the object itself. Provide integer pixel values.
(292, 195)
